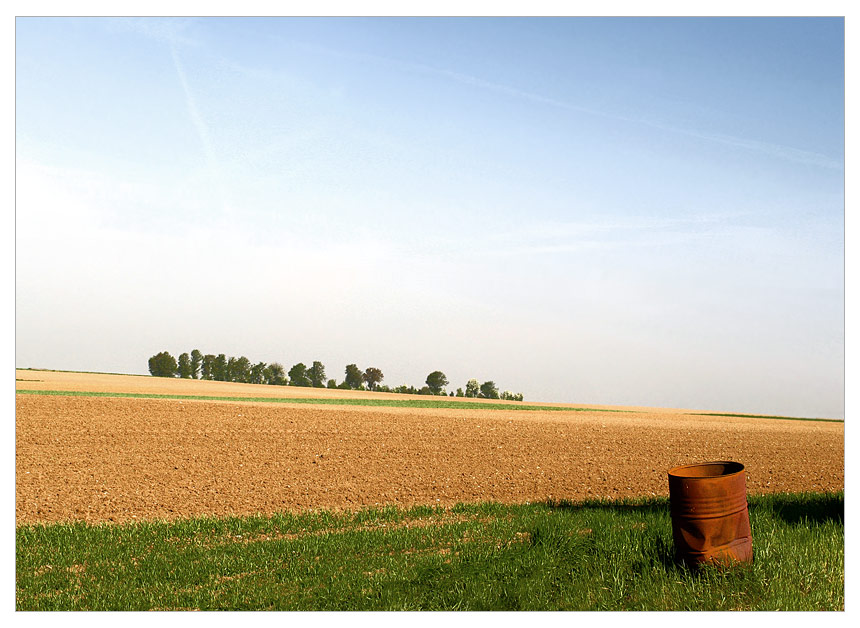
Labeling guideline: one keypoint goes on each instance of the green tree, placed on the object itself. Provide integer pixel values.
(354, 376)
(372, 376)
(207, 367)
(489, 390)
(274, 374)
(184, 366)
(241, 370)
(299, 375)
(459, 392)
(196, 363)
(436, 381)
(257, 373)
(331, 384)
(317, 375)
(472, 388)
(219, 368)
(162, 365)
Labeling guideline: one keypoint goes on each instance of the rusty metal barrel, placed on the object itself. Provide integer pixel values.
(710, 516)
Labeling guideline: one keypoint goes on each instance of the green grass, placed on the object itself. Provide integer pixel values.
(434, 402)
(595, 555)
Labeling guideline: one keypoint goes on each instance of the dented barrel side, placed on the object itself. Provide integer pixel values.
(710, 516)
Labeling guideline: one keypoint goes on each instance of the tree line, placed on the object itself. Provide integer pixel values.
(196, 365)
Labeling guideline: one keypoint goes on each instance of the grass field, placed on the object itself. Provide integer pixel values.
(594, 555)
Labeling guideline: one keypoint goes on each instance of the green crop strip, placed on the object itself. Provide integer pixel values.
(583, 556)
(394, 403)
(764, 416)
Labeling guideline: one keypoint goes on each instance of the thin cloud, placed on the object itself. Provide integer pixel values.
(201, 127)
(639, 241)
(567, 229)
(199, 124)
(169, 30)
(459, 77)
(778, 151)
(569, 236)
(787, 153)
(560, 237)
(514, 91)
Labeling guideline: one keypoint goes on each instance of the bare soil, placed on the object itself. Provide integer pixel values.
(113, 459)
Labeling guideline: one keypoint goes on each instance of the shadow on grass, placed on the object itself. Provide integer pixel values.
(791, 508)
(643, 505)
(802, 508)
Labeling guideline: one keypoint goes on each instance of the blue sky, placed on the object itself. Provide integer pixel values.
(623, 211)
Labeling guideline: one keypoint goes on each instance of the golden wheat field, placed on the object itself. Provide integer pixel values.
(118, 459)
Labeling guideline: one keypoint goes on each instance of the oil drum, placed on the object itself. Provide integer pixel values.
(710, 516)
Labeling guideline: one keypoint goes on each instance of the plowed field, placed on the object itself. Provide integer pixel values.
(114, 459)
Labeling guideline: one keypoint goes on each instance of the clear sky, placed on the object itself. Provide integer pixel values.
(618, 211)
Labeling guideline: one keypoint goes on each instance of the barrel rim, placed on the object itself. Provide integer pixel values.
(678, 472)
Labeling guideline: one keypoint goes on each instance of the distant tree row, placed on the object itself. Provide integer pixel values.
(487, 390)
(216, 367)
(196, 365)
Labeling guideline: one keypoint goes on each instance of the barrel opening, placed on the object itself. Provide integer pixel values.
(707, 470)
